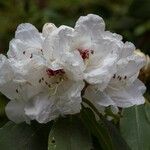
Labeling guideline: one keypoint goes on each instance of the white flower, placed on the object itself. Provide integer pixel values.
(124, 89)
(57, 53)
(44, 72)
(98, 48)
(38, 88)
(87, 51)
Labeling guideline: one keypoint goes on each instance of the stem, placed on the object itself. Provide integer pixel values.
(84, 89)
(93, 107)
(97, 112)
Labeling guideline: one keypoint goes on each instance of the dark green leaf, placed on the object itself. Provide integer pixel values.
(109, 138)
(69, 134)
(135, 127)
(20, 137)
(147, 111)
(3, 102)
(116, 137)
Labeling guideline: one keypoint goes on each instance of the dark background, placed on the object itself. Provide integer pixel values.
(130, 18)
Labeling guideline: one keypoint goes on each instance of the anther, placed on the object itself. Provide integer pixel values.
(114, 76)
(40, 81)
(42, 51)
(31, 56)
(17, 91)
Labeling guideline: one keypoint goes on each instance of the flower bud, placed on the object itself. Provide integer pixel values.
(48, 28)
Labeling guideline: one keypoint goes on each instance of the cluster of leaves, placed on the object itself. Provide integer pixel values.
(132, 131)
(82, 132)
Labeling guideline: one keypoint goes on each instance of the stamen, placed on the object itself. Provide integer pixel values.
(17, 91)
(57, 85)
(24, 52)
(125, 77)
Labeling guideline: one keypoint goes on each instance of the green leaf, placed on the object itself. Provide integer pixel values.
(97, 129)
(147, 111)
(116, 137)
(135, 127)
(69, 134)
(106, 133)
(3, 102)
(20, 137)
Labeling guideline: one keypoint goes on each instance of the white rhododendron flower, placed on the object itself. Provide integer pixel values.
(88, 51)
(124, 89)
(45, 73)
(36, 91)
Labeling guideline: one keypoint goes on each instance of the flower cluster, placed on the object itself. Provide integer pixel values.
(44, 73)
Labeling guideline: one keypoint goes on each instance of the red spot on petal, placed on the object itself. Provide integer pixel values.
(51, 72)
(85, 53)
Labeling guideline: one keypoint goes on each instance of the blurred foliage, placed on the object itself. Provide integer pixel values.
(127, 17)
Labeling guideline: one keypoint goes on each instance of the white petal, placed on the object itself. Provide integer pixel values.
(28, 33)
(113, 36)
(27, 41)
(23, 50)
(5, 70)
(15, 112)
(45, 107)
(128, 49)
(127, 96)
(42, 108)
(20, 79)
(57, 43)
(70, 97)
(130, 67)
(97, 97)
(28, 75)
(59, 53)
(90, 25)
(102, 73)
(6, 76)
(73, 65)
